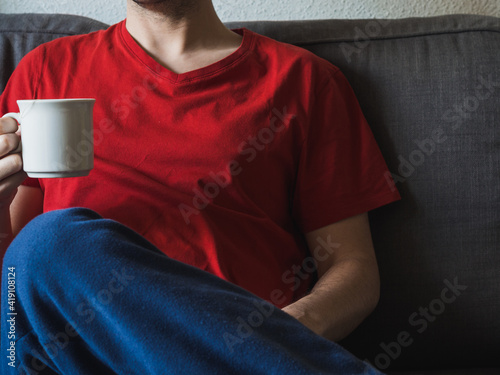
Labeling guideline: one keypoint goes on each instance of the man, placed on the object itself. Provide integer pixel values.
(230, 152)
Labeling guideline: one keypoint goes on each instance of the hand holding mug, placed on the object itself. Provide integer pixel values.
(56, 141)
(57, 137)
(11, 163)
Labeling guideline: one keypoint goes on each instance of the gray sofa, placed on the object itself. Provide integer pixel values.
(430, 89)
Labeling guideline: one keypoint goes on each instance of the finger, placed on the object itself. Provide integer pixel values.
(9, 143)
(9, 165)
(19, 147)
(8, 125)
(11, 183)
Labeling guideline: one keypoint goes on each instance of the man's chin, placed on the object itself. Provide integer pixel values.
(175, 9)
(148, 2)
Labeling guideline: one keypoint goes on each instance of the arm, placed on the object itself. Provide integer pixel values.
(18, 204)
(27, 203)
(348, 284)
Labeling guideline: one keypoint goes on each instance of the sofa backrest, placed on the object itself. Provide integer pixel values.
(430, 89)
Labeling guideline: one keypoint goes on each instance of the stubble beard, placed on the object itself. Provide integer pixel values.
(173, 9)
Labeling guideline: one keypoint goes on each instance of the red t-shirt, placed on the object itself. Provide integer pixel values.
(224, 167)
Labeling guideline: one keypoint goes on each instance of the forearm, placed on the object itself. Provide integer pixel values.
(340, 300)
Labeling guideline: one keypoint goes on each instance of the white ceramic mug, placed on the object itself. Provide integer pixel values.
(56, 136)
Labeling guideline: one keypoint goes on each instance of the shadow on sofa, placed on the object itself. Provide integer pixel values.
(430, 89)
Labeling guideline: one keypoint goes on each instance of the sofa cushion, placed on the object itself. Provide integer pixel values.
(430, 88)
(20, 33)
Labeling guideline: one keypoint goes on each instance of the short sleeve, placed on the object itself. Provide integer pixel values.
(22, 84)
(341, 171)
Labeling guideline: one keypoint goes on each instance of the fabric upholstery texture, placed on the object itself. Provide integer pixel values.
(430, 89)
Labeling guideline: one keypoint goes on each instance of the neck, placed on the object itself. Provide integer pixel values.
(181, 41)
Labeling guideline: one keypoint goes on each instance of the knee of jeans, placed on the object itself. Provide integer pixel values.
(46, 237)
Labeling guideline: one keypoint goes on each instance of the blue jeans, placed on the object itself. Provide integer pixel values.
(90, 296)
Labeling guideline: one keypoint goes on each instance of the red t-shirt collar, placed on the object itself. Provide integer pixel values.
(206, 71)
